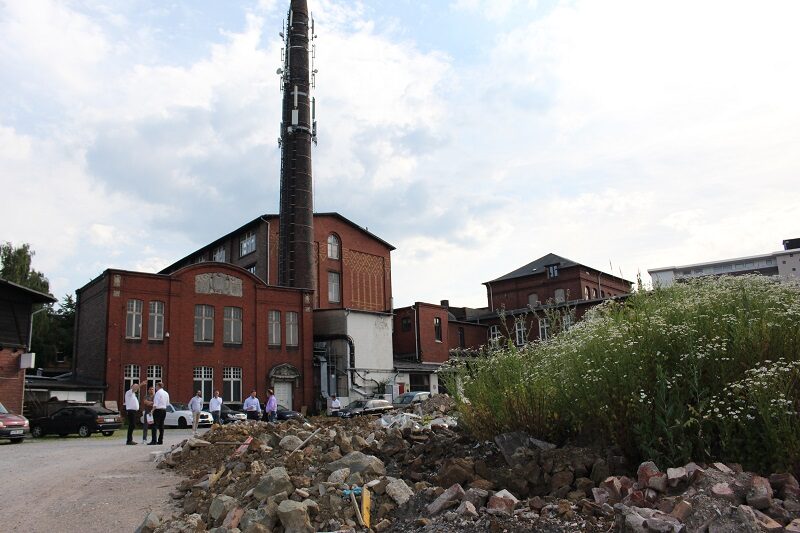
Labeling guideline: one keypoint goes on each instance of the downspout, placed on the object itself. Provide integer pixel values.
(491, 296)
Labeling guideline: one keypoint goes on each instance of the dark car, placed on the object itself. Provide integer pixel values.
(229, 415)
(284, 413)
(365, 407)
(12, 427)
(81, 419)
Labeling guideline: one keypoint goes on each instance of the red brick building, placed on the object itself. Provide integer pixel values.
(352, 266)
(209, 326)
(16, 308)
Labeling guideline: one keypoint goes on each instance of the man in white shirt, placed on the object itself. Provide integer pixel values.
(215, 406)
(336, 405)
(131, 408)
(252, 406)
(160, 402)
(196, 405)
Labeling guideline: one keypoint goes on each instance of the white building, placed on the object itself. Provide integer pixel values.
(785, 264)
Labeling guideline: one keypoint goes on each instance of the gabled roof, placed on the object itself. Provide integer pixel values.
(536, 267)
(34, 296)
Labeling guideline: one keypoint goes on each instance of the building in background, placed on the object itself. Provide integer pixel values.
(784, 264)
(16, 316)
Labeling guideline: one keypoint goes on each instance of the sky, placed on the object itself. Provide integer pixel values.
(473, 135)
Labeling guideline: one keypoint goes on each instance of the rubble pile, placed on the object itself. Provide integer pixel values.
(423, 473)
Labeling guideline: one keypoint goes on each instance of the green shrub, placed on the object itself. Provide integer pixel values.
(700, 370)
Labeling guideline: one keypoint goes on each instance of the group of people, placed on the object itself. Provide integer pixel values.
(153, 410)
(252, 407)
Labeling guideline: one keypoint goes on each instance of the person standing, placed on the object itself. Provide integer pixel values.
(147, 411)
(160, 402)
(336, 405)
(215, 406)
(196, 405)
(271, 409)
(131, 409)
(252, 406)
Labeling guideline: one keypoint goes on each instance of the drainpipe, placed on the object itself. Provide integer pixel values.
(491, 297)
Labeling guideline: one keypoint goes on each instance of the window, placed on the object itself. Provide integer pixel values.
(133, 320)
(231, 384)
(155, 321)
(560, 296)
(204, 381)
(594, 293)
(586, 293)
(494, 335)
(219, 254)
(247, 244)
(533, 299)
(251, 268)
(437, 329)
(544, 329)
(274, 328)
(155, 373)
(203, 323)
(462, 343)
(552, 271)
(602, 294)
(520, 331)
(333, 246)
(232, 321)
(291, 328)
(130, 376)
(405, 324)
(334, 286)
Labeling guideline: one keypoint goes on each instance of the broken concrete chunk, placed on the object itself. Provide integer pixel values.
(275, 481)
(467, 509)
(446, 499)
(339, 476)
(220, 506)
(760, 494)
(399, 491)
(294, 517)
(359, 462)
(290, 443)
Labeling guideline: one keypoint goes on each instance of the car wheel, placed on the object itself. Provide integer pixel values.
(84, 431)
(16, 441)
(108, 433)
(37, 431)
(182, 423)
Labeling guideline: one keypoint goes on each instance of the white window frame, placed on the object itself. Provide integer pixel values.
(552, 271)
(247, 244)
(334, 247)
(334, 287)
(494, 335)
(219, 254)
(203, 380)
(203, 323)
(437, 329)
(292, 328)
(231, 375)
(133, 319)
(232, 325)
(155, 320)
(155, 373)
(274, 328)
(130, 374)
(544, 328)
(520, 331)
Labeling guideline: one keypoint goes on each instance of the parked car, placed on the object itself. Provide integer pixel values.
(365, 407)
(179, 415)
(12, 427)
(409, 398)
(81, 419)
(284, 413)
(229, 415)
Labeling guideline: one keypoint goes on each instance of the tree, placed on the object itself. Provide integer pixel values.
(52, 328)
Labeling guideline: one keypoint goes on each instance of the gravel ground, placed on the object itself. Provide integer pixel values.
(83, 484)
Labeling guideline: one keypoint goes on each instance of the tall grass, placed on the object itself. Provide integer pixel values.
(701, 370)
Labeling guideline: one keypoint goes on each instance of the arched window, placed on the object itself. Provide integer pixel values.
(333, 246)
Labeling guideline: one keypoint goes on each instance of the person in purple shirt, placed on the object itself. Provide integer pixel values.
(271, 408)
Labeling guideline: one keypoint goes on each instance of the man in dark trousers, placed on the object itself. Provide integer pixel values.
(131, 408)
(160, 402)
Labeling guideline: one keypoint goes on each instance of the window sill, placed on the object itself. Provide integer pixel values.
(204, 343)
(232, 344)
(274, 347)
(133, 339)
(293, 348)
(155, 341)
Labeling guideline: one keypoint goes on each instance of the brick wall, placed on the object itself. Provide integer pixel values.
(12, 380)
(89, 350)
(475, 335)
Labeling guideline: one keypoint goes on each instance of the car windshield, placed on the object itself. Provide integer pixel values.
(180, 406)
(3, 410)
(358, 404)
(406, 398)
(283, 408)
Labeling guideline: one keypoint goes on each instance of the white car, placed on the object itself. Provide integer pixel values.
(179, 415)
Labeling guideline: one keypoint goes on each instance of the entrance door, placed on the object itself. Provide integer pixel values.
(283, 393)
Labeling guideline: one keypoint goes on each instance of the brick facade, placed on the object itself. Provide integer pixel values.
(415, 333)
(12, 379)
(177, 353)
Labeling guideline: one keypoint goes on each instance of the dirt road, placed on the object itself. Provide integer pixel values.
(74, 484)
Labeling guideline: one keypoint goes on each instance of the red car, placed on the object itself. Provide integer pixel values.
(13, 427)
